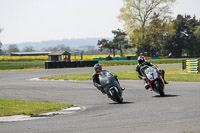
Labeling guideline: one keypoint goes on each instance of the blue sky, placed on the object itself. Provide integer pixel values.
(40, 20)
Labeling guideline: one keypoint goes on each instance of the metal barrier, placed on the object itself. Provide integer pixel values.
(191, 66)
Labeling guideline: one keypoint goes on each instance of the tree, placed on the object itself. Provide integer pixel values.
(120, 40)
(137, 14)
(196, 46)
(192, 47)
(28, 49)
(13, 48)
(106, 44)
(119, 43)
(158, 33)
(197, 32)
(184, 41)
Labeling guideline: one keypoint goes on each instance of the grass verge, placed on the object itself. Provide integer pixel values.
(172, 74)
(16, 107)
(19, 70)
(9, 65)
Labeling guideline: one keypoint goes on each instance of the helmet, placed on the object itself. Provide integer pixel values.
(141, 59)
(97, 66)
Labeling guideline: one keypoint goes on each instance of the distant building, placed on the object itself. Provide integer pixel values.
(28, 53)
(59, 56)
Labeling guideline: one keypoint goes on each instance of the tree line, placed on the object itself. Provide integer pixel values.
(90, 50)
(150, 29)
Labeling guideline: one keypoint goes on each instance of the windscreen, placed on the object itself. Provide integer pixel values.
(104, 73)
(149, 70)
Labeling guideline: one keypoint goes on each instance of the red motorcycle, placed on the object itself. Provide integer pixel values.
(154, 79)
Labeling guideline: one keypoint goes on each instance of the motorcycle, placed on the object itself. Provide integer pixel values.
(111, 86)
(155, 80)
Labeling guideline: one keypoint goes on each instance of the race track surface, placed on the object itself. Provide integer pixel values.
(142, 111)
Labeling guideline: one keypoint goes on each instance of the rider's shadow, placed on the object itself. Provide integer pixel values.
(166, 95)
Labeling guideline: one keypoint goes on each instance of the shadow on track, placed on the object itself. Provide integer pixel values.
(123, 103)
(166, 95)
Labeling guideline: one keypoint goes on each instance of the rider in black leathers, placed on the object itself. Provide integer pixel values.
(95, 77)
(141, 62)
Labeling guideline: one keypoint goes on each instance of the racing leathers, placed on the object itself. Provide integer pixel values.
(141, 75)
(96, 81)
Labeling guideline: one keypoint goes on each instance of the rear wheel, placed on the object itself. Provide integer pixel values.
(160, 89)
(117, 97)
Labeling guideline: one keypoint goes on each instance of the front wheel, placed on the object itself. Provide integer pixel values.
(116, 95)
(160, 89)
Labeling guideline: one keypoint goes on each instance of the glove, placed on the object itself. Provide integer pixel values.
(99, 86)
(159, 71)
(144, 78)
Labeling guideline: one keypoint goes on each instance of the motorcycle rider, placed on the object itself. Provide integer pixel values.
(95, 77)
(141, 62)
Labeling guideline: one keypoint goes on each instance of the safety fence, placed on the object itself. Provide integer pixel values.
(192, 66)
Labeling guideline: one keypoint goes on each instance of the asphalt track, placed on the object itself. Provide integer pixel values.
(142, 111)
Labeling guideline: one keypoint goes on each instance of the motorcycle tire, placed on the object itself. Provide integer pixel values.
(117, 97)
(159, 88)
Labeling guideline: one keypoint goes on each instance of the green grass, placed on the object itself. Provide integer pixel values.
(16, 107)
(134, 62)
(172, 74)
(22, 70)
(9, 65)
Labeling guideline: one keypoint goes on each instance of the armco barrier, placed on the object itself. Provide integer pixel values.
(119, 58)
(134, 58)
(99, 59)
(162, 57)
(192, 66)
(155, 57)
(63, 64)
(115, 58)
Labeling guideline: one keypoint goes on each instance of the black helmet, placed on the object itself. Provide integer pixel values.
(97, 66)
(141, 59)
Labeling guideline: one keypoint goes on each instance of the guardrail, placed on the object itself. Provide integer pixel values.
(192, 66)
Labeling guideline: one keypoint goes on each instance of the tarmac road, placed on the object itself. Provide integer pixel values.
(143, 111)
